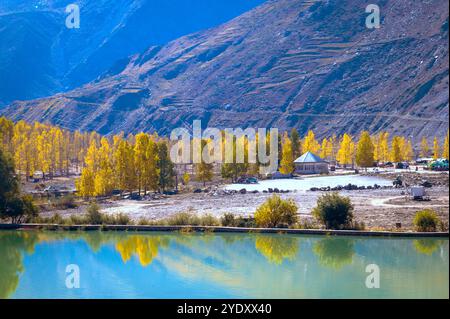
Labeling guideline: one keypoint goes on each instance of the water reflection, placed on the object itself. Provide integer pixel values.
(146, 248)
(335, 252)
(276, 249)
(12, 247)
(427, 246)
(178, 265)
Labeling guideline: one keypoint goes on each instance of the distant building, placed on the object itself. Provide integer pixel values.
(310, 163)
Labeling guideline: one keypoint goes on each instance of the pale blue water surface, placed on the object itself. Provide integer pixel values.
(175, 265)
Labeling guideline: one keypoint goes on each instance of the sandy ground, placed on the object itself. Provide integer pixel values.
(378, 209)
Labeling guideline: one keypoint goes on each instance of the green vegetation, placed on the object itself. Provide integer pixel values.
(334, 252)
(426, 221)
(334, 211)
(276, 212)
(13, 205)
(93, 216)
(65, 202)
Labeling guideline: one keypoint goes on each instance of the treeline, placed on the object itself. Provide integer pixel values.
(362, 151)
(142, 162)
(139, 162)
(45, 148)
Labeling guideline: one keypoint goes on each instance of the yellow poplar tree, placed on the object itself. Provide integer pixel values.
(365, 150)
(287, 160)
(310, 143)
(436, 149)
(104, 176)
(346, 150)
(326, 150)
(445, 149)
(397, 149)
(424, 148)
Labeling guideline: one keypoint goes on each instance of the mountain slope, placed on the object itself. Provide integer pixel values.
(288, 63)
(39, 56)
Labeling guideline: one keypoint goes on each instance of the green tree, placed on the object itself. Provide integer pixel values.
(296, 143)
(165, 167)
(13, 205)
(334, 211)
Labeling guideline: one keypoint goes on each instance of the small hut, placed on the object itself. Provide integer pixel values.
(309, 163)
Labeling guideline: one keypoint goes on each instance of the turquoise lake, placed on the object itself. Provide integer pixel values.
(33, 264)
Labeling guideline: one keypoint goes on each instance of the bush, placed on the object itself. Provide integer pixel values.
(228, 220)
(65, 202)
(209, 220)
(93, 214)
(276, 212)
(182, 219)
(426, 221)
(334, 211)
(118, 219)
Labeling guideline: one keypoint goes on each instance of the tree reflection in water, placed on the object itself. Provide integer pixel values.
(13, 246)
(145, 247)
(427, 246)
(276, 248)
(335, 252)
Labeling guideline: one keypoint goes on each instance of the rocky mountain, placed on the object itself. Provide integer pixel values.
(310, 64)
(40, 56)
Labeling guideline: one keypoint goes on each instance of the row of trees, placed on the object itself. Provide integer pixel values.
(45, 148)
(364, 152)
(140, 162)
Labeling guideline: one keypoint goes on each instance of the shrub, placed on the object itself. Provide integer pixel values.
(334, 211)
(93, 214)
(209, 220)
(78, 220)
(56, 219)
(121, 219)
(276, 212)
(182, 219)
(228, 220)
(426, 221)
(65, 202)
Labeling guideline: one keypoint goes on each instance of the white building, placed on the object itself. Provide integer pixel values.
(310, 163)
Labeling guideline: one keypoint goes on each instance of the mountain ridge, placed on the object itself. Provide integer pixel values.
(287, 63)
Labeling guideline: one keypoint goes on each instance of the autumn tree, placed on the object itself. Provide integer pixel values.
(365, 151)
(326, 150)
(236, 167)
(436, 149)
(310, 143)
(287, 161)
(424, 148)
(125, 175)
(104, 176)
(397, 149)
(445, 148)
(204, 170)
(381, 147)
(346, 151)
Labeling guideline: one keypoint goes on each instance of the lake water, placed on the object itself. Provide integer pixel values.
(309, 182)
(174, 265)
